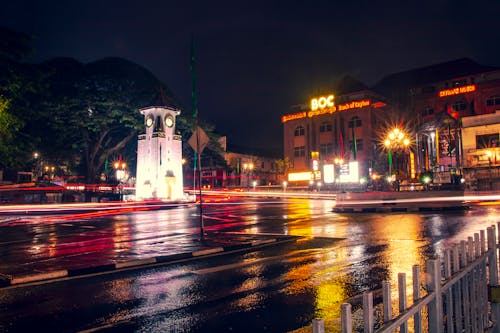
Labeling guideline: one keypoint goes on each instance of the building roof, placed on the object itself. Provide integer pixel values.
(434, 73)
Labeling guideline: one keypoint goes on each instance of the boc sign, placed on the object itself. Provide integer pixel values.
(322, 102)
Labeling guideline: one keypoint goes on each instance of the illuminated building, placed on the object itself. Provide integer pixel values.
(339, 125)
(439, 97)
(159, 156)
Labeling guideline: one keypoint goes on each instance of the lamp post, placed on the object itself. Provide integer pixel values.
(489, 154)
(247, 168)
(121, 176)
(395, 139)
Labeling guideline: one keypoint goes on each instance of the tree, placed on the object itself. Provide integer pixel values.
(93, 112)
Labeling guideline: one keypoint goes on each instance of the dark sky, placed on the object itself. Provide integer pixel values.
(257, 58)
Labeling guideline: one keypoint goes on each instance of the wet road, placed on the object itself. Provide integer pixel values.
(277, 289)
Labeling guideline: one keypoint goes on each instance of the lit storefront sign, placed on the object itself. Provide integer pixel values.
(349, 173)
(322, 102)
(457, 90)
(300, 176)
(354, 105)
(328, 174)
(293, 116)
(327, 110)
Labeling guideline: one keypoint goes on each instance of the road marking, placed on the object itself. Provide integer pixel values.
(208, 251)
(138, 262)
(237, 265)
(40, 276)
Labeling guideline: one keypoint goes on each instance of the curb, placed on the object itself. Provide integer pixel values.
(412, 209)
(9, 280)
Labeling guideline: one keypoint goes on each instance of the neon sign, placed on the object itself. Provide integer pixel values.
(457, 90)
(318, 112)
(322, 102)
(354, 105)
(293, 116)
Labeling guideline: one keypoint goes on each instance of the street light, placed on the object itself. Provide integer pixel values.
(247, 168)
(395, 139)
(338, 165)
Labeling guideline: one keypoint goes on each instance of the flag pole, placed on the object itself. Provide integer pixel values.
(197, 159)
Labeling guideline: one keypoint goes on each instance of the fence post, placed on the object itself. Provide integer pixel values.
(368, 312)
(449, 294)
(457, 290)
(435, 307)
(493, 275)
(484, 283)
(346, 318)
(318, 325)
(386, 300)
(465, 288)
(402, 299)
(417, 318)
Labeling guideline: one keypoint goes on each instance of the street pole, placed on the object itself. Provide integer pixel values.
(197, 153)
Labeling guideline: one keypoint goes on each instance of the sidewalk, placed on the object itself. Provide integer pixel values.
(62, 263)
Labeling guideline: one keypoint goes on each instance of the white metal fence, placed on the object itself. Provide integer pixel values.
(454, 298)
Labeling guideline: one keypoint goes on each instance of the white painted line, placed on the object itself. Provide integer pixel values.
(38, 277)
(208, 251)
(138, 262)
(239, 264)
(263, 241)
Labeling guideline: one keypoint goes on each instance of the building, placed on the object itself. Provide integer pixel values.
(481, 151)
(336, 137)
(448, 113)
(439, 98)
(159, 156)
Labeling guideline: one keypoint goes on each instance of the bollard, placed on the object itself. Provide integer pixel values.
(318, 325)
(346, 318)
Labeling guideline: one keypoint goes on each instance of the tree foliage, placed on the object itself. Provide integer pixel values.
(78, 116)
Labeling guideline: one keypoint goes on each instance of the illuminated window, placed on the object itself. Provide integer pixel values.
(325, 127)
(494, 100)
(459, 83)
(459, 106)
(427, 111)
(326, 149)
(355, 122)
(299, 151)
(299, 131)
(487, 141)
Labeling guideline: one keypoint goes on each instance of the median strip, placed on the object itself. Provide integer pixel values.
(138, 262)
(39, 277)
(263, 241)
(207, 251)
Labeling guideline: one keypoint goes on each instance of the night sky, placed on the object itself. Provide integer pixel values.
(255, 59)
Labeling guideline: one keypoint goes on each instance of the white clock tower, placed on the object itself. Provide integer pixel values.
(159, 156)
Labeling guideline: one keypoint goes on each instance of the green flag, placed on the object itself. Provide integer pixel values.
(354, 146)
(389, 157)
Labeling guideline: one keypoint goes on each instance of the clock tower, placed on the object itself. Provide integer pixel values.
(159, 156)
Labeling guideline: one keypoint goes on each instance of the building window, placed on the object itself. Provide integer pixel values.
(299, 131)
(459, 106)
(428, 89)
(299, 151)
(486, 141)
(427, 111)
(325, 127)
(494, 100)
(459, 83)
(359, 145)
(355, 122)
(325, 149)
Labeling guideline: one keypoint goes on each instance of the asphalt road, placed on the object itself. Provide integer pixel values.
(275, 289)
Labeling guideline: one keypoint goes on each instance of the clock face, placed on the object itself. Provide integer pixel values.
(169, 121)
(149, 121)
